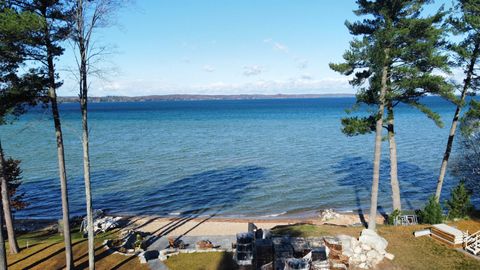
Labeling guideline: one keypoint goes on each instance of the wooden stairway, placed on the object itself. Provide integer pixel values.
(471, 243)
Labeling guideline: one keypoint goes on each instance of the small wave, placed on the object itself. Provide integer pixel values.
(274, 215)
(174, 214)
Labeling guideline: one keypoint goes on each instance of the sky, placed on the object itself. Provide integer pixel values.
(221, 47)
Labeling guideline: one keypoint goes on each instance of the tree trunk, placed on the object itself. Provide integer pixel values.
(3, 254)
(12, 240)
(397, 205)
(85, 142)
(61, 159)
(88, 191)
(453, 128)
(378, 149)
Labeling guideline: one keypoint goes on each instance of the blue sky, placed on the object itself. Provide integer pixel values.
(222, 47)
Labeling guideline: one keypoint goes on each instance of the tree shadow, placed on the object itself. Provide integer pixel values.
(202, 193)
(44, 201)
(416, 184)
(199, 196)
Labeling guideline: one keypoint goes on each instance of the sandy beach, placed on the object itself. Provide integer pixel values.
(228, 226)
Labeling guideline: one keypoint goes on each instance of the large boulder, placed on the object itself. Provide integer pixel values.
(372, 239)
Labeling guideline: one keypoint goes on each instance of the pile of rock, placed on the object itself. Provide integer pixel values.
(328, 214)
(101, 222)
(367, 251)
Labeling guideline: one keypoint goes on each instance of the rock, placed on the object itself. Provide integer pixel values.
(346, 241)
(366, 247)
(372, 239)
(328, 214)
(348, 252)
(363, 257)
(338, 266)
(389, 256)
(372, 254)
(363, 266)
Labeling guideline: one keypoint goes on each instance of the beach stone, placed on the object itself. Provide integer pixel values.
(372, 239)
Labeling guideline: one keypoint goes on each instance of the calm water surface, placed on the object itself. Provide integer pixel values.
(232, 158)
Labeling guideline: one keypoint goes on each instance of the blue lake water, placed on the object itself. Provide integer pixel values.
(233, 158)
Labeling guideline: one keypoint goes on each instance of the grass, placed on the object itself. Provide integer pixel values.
(410, 252)
(202, 261)
(46, 251)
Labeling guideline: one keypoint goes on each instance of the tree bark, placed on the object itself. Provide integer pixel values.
(85, 141)
(372, 224)
(396, 202)
(12, 240)
(60, 154)
(456, 116)
(3, 254)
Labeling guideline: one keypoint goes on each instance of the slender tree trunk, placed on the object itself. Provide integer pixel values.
(88, 191)
(12, 240)
(453, 128)
(3, 254)
(378, 149)
(61, 158)
(85, 142)
(397, 205)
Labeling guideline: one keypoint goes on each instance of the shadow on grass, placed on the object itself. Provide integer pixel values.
(227, 262)
(50, 256)
(34, 253)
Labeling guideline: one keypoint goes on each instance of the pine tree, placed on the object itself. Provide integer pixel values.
(465, 22)
(17, 92)
(44, 49)
(391, 60)
(459, 205)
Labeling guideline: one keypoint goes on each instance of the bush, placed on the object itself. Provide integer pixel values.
(459, 205)
(393, 216)
(432, 213)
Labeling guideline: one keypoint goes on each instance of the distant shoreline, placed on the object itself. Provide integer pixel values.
(70, 99)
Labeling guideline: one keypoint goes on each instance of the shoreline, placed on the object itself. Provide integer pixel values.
(211, 224)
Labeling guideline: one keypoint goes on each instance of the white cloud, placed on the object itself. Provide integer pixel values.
(208, 68)
(277, 46)
(252, 70)
(306, 77)
(304, 84)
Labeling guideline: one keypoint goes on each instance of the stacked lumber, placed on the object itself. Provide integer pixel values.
(448, 235)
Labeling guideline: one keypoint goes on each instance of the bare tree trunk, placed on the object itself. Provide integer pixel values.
(397, 205)
(61, 161)
(3, 254)
(88, 191)
(453, 128)
(378, 150)
(86, 155)
(12, 240)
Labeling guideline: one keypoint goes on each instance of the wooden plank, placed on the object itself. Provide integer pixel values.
(446, 235)
(446, 242)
